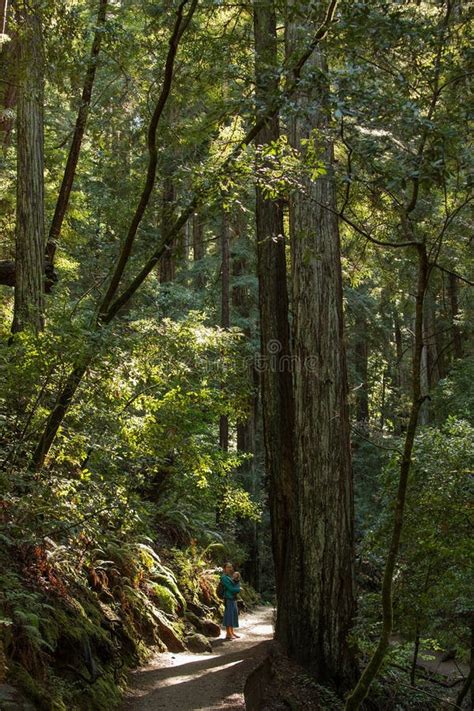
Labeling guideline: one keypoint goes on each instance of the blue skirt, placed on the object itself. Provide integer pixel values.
(231, 614)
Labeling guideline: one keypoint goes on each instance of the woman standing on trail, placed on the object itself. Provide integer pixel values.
(231, 586)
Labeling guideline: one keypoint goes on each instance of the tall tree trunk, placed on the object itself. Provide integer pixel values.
(30, 233)
(198, 247)
(430, 374)
(361, 353)
(114, 299)
(242, 305)
(249, 530)
(323, 455)
(8, 65)
(225, 312)
(454, 309)
(276, 378)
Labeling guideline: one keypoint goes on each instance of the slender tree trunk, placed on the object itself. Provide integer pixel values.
(198, 237)
(225, 312)
(79, 129)
(168, 263)
(274, 366)
(454, 309)
(361, 690)
(30, 233)
(242, 305)
(361, 353)
(323, 455)
(114, 300)
(198, 247)
(414, 661)
(430, 374)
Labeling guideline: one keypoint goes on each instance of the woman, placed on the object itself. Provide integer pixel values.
(231, 584)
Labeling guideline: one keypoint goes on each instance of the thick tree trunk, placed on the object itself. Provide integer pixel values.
(30, 233)
(323, 455)
(276, 378)
(8, 64)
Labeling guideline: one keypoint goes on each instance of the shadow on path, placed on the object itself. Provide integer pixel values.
(203, 682)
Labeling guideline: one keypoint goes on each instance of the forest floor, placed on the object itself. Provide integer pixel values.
(203, 682)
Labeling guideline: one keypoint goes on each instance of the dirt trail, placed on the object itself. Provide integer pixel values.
(203, 682)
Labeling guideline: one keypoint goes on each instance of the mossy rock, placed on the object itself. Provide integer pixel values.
(170, 583)
(103, 694)
(164, 598)
(198, 643)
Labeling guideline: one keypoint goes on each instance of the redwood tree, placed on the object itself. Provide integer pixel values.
(322, 435)
(29, 231)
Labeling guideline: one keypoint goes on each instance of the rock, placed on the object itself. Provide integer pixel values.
(166, 633)
(210, 628)
(196, 610)
(197, 643)
(193, 619)
(205, 627)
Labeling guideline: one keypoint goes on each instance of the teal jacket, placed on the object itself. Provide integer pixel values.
(230, 587)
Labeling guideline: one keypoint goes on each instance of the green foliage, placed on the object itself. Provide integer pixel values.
(432, 584)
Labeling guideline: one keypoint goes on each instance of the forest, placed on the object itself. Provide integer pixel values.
(236, 271)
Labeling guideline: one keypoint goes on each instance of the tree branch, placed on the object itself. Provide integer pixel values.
(180, 25)
(266, 115)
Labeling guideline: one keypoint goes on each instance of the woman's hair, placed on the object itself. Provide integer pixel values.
(228, 565)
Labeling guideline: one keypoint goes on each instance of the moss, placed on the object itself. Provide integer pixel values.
(103, 694)
(164, 598)
(170, 583)
(47, 694)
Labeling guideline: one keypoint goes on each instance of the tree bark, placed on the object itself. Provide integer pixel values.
(30, 232)
(242, 305)
(225, 312)
(323, 455)
(275, 370)
(113, 301)
(8, 65)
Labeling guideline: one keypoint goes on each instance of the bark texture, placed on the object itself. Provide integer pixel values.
(322, 447)
(276, 378)
(30, 232)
